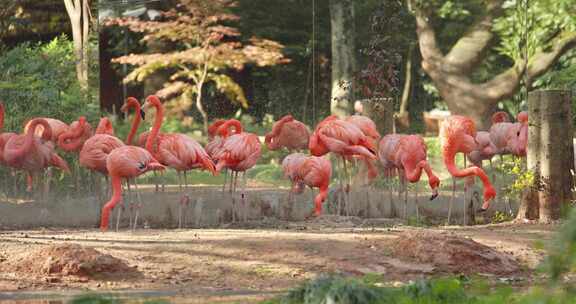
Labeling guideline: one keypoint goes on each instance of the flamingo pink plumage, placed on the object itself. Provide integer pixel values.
(33, 154)
(288, 132)
(290, 165)
(457, 134)
(57, 126)
(4, 136)
(315, 172)
(177, 151)
(408, 153)
(125, 162)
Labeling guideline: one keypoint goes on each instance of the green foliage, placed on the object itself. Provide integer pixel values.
(39, 80)
(521, 177)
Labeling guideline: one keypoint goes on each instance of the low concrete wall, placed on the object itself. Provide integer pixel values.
(209, 207)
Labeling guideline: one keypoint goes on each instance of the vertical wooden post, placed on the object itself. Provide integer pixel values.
(550, 154)
(556, 158)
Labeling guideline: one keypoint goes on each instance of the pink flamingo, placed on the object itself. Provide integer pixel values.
(407, 153)
(216, 142)
(288, 132)
(32, 154)
(309, 171)
(368, 127)
(290, 165)
(457, 134)
(125, 162)
(4, 137)
(177, 151)
(342, 138)
(238, 153)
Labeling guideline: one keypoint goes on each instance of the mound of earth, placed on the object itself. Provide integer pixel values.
(453, 253)
(70, 260)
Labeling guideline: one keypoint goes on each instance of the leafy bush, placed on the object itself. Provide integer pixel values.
(39, 80)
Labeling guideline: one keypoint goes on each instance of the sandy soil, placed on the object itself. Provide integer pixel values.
(253, 261)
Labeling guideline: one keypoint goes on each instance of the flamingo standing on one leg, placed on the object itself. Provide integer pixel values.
(125, 162)
(289, 133)
(457, 134)
(33, 154)
(238, 153)
(407, 153)
(177, 151)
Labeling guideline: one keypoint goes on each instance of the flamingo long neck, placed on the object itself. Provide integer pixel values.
(156, 127)
(116, 197)
(449, 161)
(135, 121)
(319, 199)
(28, 142)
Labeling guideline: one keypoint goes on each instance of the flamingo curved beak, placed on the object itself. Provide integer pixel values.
(142, 114)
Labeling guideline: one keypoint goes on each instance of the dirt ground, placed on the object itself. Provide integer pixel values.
(255, 262)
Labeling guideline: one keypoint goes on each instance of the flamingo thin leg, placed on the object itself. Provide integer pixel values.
(138, 204)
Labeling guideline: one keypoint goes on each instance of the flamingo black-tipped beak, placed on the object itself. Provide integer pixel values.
(481, 210)
(142, 114)
(433, 196)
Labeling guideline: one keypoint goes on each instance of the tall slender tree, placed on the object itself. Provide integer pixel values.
(79, 13)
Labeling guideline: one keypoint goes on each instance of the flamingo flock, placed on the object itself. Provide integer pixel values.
(351, 140)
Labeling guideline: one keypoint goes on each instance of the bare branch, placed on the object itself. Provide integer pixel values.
(469, 49)
(542, 61)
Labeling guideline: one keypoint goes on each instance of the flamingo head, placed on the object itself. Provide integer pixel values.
(434, 182)
(489, 194)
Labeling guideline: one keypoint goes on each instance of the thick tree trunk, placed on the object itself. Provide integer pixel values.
(550, 155)
(343, 59)
(450, 72)
(556, 158)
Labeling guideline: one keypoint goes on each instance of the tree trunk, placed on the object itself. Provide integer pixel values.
(450, 72)
(550, 155)
(79, 19)
(343, 59)
(403, 115)
(200, 106)
(556, 155)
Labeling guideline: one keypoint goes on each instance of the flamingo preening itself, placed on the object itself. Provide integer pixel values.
(289, 133)
(238, 153)
(457, 134)
(311, 171)
(33, 154)
(125, 162)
